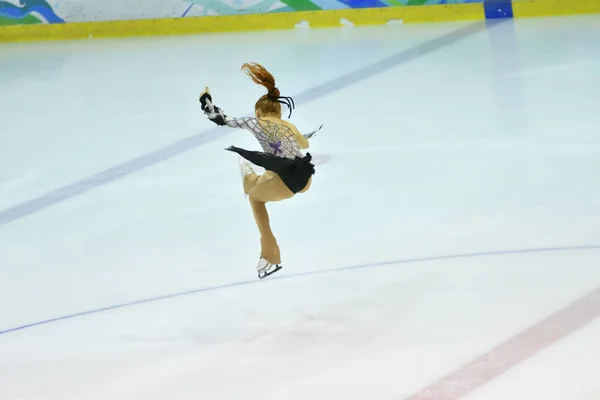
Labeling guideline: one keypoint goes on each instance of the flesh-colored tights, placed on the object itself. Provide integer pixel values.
(262, 189)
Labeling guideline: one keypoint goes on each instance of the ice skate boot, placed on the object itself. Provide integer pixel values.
(245, 169)
(265, 268)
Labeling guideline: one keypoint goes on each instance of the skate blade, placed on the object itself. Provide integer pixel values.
(264, 274)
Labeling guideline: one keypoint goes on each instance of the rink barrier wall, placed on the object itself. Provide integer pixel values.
(552, 8)
(58, 29)
(248, 22)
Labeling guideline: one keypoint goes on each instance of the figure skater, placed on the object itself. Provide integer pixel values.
(287, 170)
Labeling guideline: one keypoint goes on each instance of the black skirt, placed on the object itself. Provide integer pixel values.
(294, 173)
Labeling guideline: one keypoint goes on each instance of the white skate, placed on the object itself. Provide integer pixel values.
(265, 268)
(245, 169)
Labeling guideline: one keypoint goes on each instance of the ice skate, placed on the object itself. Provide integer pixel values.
(265, 268)
(245, 169)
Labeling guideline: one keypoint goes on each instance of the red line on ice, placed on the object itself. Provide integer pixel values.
(514, 351)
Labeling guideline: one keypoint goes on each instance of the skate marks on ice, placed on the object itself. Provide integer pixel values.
(302, 274)
(163, 154)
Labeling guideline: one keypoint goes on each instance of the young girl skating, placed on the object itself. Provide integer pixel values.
(287, 170)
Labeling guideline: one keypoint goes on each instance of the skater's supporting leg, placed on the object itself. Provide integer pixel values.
(269, 249)
(267, 187)
(262, 189)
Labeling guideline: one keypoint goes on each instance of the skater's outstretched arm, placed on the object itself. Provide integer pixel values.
(217, 116)
(303, 139)
(214, 113)
(247, 123)
(310, 135)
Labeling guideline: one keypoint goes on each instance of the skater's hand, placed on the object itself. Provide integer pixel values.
(206, 101)
(310, 135)
(214, 113)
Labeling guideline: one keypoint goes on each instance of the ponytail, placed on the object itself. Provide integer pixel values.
(261, 76)
(271, 102)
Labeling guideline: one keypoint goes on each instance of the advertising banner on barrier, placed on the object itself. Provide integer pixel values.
(13, 12)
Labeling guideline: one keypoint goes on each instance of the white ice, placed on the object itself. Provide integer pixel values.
(490, 143)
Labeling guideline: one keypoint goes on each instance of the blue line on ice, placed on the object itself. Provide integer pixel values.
(302, 274)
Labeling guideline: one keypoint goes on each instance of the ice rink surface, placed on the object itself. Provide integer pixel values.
(449, 247)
